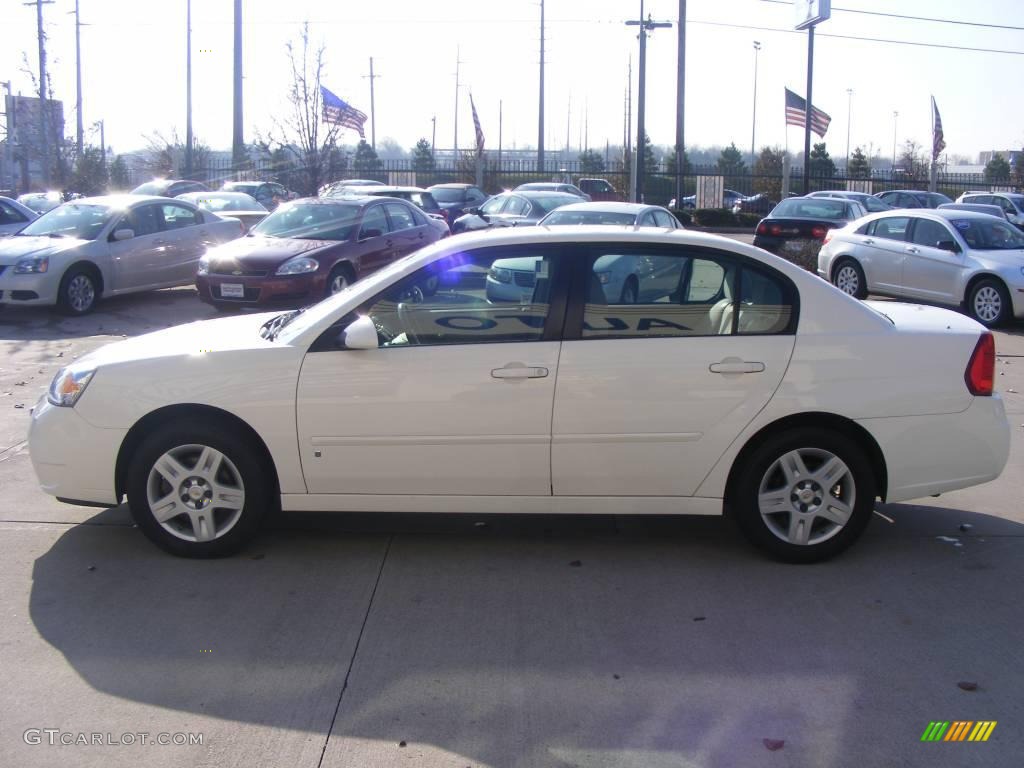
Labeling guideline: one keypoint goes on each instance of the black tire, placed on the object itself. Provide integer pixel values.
(630, 291)
(848, 276)
(773, 530)
(78, 292)
(988, 302)
(244, 470)
(337, 273)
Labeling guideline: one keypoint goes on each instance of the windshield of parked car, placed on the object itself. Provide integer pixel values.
(590, 217)
(310, 221)
(40, 203)
(223, 201)
(546, 204)
(812, 208)
(247, 189)
(448, 195)
(74, 220)
(873, 204)
(151, 188)
(989, 234)
(937, 199)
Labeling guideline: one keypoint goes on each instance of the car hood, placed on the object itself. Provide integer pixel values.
(265, 252)
(192, 339)
(14, 248)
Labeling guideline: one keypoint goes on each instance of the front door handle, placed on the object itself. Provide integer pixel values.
(912, 249)
(519, 371)
(868, 241)
(735, 365)
(159, 242)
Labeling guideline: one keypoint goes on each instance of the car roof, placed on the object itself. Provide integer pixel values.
(978, 207)
(123, 200)
(451, 185)
(378, 190)
(531, 194)
(610, 206)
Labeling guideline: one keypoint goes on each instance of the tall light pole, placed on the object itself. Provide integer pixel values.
(753, 112)
(373, 111)
(188, 90)
(78, 81)
(237, 129)
(455, 141)
(641, 134)
(680, 100)
(894, 116)
(540, 111)
(433, 134)
(849, 112)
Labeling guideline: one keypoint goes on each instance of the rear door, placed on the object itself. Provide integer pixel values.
(188, 235)
(650, 394)
(930, 272)
(406, 234)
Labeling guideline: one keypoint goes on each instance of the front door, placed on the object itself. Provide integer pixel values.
(457, 398)
(650, 394)
(139, 262)
(930, 272)
(882, 251)
(406, 234)
(188, 237)
(376, 246)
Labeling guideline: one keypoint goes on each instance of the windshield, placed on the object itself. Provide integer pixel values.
(989, 234)
(40, 203)
(874, 205)
(448, 195)
(83, 222)
(937, 199)
(811, 208)
(311, 221)
(247, 189)
(550, 203)
(151, 188)
(590, 217)
(223, 201)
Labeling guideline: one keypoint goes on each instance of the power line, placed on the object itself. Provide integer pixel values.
(912, 18)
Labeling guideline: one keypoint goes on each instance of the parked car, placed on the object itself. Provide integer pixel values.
(229, 205)
(169, 187)
(105, 246)
(599, 189)
(760, 389)
(14, 216)
(456, 199)
(327, 189)
(991, 210)
(419, 197)
(1012, 204)
(311, 248)
(729, 199)
(41, 202)
(622, 214)
(546, 186)
(800, 222)
(958, 258)
(912, 198)
(512, 209)
(269, 194)
(759, 203)
(871, 203)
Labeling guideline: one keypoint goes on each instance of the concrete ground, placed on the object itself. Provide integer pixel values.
(362, 640)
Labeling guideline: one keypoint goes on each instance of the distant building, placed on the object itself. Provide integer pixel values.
(24, 130)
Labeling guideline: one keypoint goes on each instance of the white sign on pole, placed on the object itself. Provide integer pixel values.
(811, 12)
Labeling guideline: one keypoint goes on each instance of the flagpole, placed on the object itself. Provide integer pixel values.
(933, 175)
(807, 110)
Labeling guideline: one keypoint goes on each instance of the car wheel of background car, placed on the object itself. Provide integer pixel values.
(804, 495)
(338, 280)
(989, 302)
(848, 277)
(197, 489)
(630, 291)
(77, 292)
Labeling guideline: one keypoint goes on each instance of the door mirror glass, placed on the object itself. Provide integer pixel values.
(124, 234)
(360, 334)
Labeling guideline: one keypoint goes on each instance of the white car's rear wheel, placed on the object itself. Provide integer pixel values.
(805, 495)
(197, 490)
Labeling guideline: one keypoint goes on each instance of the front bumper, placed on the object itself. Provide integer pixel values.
(32, 289)
(263, 291)
(72, 458)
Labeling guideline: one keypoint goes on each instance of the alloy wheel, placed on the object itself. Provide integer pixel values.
(847, 280)
(81, 293)
(988, 304)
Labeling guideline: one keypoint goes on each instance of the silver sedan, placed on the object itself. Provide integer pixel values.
(104, 246)
(14, 216)
(952, 257)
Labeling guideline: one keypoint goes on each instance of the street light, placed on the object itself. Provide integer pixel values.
(849, 112)
(894, 116)
(645, 26)
(753, 113)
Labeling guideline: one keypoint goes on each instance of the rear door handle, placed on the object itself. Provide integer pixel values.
(519, 371)
(868, 241)
(735, 365)
(912, 249)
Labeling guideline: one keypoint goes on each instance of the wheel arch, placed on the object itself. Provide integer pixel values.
(831, 421)
(837, 261)
(977, 278)
(91, 266)
(158, 418)
(345, 264)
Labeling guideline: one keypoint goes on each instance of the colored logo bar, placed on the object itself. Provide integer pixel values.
(959, 730)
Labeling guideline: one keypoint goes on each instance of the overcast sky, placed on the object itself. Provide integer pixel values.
(133, 55)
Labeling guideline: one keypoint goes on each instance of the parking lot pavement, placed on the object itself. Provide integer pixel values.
(497, 641)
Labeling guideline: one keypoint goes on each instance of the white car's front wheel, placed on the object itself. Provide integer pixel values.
(989, 302)
(197, 490)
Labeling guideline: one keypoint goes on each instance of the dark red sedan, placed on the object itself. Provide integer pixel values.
(311, 248)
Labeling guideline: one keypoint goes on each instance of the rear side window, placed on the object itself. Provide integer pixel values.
(9, 215)
(766, 303)
(401, 217)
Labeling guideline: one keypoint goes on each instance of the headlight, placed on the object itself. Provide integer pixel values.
(298, 266)
(204, 266)
(501, 275)
(68, 385)
(32, 266)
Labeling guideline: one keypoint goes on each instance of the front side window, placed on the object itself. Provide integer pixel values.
(487, 296)
(9, 215)
(144, 220)
(929, 233)
(890, 228)
(493, 205)
(665, 219)
(517, 206)
(375, 223)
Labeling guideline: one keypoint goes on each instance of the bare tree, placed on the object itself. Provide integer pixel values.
(311, 144)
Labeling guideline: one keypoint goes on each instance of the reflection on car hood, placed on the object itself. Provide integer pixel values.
(265, 252)
(14, 248)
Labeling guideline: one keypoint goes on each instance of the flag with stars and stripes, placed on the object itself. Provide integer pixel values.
(477, 128)
(339, 112)
(938, 138)
(796, 109)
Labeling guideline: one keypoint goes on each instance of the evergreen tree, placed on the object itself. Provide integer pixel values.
(821, 162)
(670, 162)
(768, 170)
(422, 156)
(90, 176)
(119, 174)
(860, 168)
(365, 159)
(997, 169)
(730, 162)
(591, 162)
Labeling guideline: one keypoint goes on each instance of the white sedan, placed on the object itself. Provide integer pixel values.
(752, 388)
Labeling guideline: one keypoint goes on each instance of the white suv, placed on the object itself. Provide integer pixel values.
(1011, 203)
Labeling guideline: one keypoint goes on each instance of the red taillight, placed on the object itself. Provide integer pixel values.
(775, 229)
(981, 369)
(762, 228)
(819, 232)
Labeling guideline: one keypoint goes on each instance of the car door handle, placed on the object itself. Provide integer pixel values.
(912, 249)
(161, 241)
(735, 365)
(868, 241)
(519, 371)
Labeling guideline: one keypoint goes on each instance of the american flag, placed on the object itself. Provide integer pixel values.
(938, 139)
(476, 126)
(796, 108)
(338, 112)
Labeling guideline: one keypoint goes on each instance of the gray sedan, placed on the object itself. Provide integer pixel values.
(957, 258)
(104, 246)
(14, 216)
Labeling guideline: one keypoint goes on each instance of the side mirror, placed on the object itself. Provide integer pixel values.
(475, 211)
(948, 245)
(360, 334)
(368, 233)
(124, 234)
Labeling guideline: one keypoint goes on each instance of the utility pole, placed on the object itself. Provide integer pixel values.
(237, 128)
(849, 113)
(44, 117)
(680, 102)
(568, 117)
(455, 142)
(540, 111)
(500, 122)
(8, 138)
(894, 116)
(433, 134)
(807, 111)
(641, 133)
(188, 89)
(373, 112)
(103, 144)
(78, 81)
(753, 112)
(629, 121)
